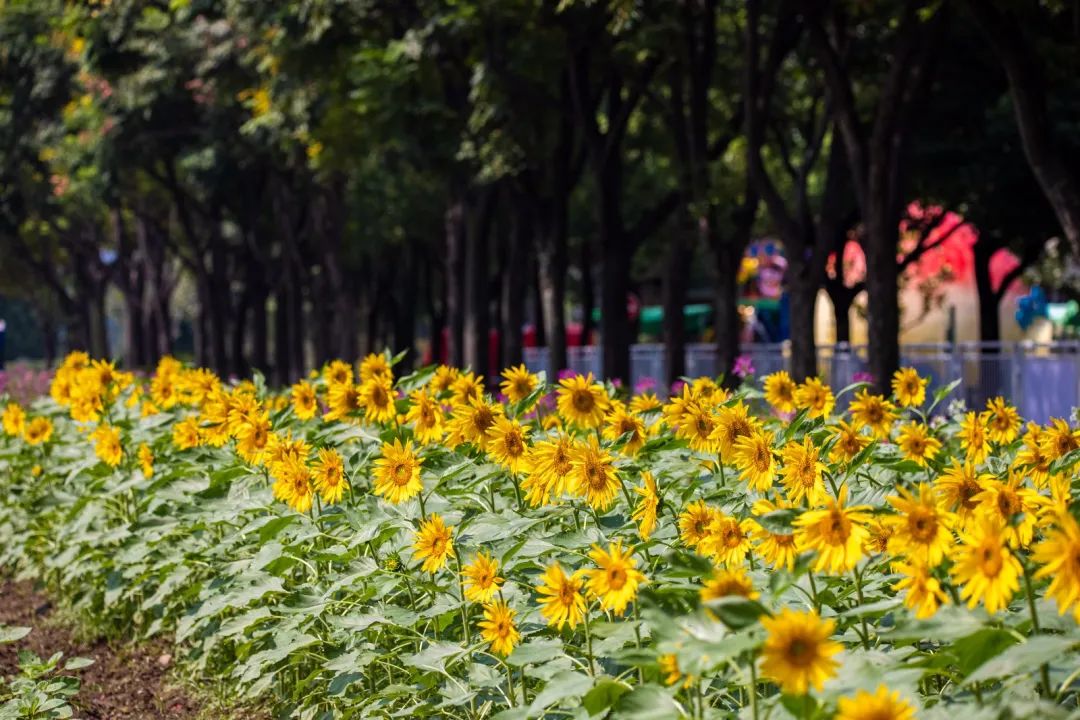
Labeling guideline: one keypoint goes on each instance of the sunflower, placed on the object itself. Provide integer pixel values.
(621, 422)
(343, 401)
(466, 388)
(815, 397)
(777, 549)
(923, 591)
(644, 403)
(848, 442)
(397, 473)
(802, 472)
(798, 652)
(426, 416)
(1059, 555)
(908, 388)
(974, 438)
(292, 484)
(645, 512)
(498, 628)
(730, 582)
(1016, 508)
(694, 522)
(146, 460)
(696, 427)
(433, 543)
(679, 405)
(780, 391)
(732, 423)
(881, 531)
(874, 412)
(879, 705)
(338, 372)
(38, 431)
(983, 564)
(727, 540)
(668, 664)
(377, 399)
(582, 401)
(507, 444)
(471, 421)
(518, 383)
(305, 402)
(835, 532)
(13, 419)
(754, 458)
(917, 444)
(1002, 421)
(443, 379)
(592, 474)
(252, 438)
(615, 581)
(1032, 458)
(328, 473)
(921, 531)
(1058, 439)
(481, 578)
(561, 600)
(958, 487)
(548, 467)
(185, 434)
(375, 365)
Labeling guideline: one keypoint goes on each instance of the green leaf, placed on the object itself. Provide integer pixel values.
(10, 634)
(536, 651)
(779, 522)
(977, 648)
(941, 393)
(647, 702)
(78, 663)
(566, 684)
(736, 612)
(606, 693)
(1023, 658)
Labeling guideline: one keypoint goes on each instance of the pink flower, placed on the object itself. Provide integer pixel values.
(744, 366)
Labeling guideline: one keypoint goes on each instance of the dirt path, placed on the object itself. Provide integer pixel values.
(124, 683)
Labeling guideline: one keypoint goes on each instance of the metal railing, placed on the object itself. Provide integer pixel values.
(1041, 379)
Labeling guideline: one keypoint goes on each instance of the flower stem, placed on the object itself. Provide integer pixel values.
(509, 683)
(813, 591)
(423, 512)
(753, 689)
(588, 644)
(1044, 671)
(862, 618)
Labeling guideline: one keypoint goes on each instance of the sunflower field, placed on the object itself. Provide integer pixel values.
(367, 545)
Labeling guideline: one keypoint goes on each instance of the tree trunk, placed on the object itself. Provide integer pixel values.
(803, 291)
(614, 276)
(989, 325)
(404, 309)
(551, 268)
(588, 296)
(259, 321)
(842, 300)
(882, 275)
(726, 308)
(455, 282)
(679, 255)
(515, 284)
(1027, 85)
(476, 282)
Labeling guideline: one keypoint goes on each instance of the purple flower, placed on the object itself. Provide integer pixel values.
(863, 376)
(566, 373)
(644, 385)
(616, 383)
(677, 386)
(744, 366)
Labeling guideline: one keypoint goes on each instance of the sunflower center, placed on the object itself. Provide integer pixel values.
(800, 652)
(566, 595)
(583, 401)
(616, 578)
(514, 446)
(1008, 503)
(595, 475)
(482, 419)
(922, 525)
(837, 528)
(401, 474)
(990, 560)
